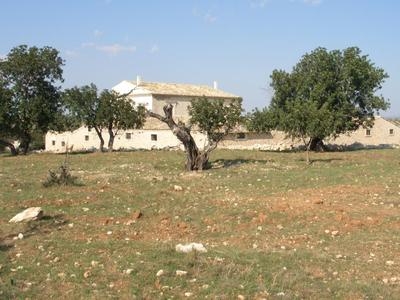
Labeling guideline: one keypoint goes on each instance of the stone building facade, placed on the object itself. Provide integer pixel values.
(156, 135)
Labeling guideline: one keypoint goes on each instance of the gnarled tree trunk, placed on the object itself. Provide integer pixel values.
(317, 145)
(98, 131)
(195, 160)
(111, 140)
(9, 145)
(26, 140)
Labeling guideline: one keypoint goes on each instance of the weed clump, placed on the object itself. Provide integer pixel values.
(62, 176)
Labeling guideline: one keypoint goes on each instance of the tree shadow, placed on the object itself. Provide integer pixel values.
(39, 227)
(227, 163)
(323, 160)
(77, 153)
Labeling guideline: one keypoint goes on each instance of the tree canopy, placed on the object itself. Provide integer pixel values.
(326, 94)
(215, 118)
(105, 111)
(30, 99)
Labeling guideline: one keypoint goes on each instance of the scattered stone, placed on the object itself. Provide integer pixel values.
(165, 287)
(87, 274)
(57, 259)
(160, 273)
(62, 275)
(71, 225)
(30, 214)
(109, 232)
(129, 271)
(76, 264)
(281, 294)
(20, 236)
(177, 188)
(137, 214)
(183, 225)
(241, 297)
(85, 209)
(94, 263)
(188, 294)
(389, 263)
(319, 201)
(190, 247)
(335, 233)
(181, 273)
(206, 286)
(385, 280)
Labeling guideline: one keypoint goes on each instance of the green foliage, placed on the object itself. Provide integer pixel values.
(30, 101)
(326, 94)
(107, 110)
(215, 118)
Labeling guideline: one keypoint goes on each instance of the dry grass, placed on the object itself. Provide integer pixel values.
(274, 227)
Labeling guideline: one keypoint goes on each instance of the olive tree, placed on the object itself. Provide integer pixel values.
(214, 118)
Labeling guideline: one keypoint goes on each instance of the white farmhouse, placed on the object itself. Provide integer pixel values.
(154, 134)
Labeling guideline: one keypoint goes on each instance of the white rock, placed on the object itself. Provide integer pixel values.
(160, 273)
(188, 294)
(190, 247)
(20, 236)
(177, 188)
(129, 271)
(30, 214)
(94, 263)
(389, 263)
(181, 273)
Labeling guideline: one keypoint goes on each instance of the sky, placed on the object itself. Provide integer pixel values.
(235, 42)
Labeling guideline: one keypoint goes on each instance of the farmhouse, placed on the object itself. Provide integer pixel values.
(156, 134)
(384, 134)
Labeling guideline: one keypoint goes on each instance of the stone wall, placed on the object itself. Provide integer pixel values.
(156, 135)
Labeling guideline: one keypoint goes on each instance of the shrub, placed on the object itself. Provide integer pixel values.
(61, 177)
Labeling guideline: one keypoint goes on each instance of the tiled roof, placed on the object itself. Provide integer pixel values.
(174, 89)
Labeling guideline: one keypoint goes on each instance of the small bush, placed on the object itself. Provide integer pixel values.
(62, 177)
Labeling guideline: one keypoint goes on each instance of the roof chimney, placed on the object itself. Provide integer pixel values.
(216, 85)
(138, 80)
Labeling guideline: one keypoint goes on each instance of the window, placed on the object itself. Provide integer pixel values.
(368, 132)
(86, 137)
(62, 144)
(128, 135)
(53, 143)
(241, 136)
(154, 137)
(391, 131)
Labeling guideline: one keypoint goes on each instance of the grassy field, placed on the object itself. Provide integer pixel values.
(274, 227)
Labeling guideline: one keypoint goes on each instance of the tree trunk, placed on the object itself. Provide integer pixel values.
(9, 145)
(98, 131)
(111, 141)
(26, 140)
(194, 159)
(317, 145)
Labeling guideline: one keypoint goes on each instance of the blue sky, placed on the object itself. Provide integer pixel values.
(237, 43)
